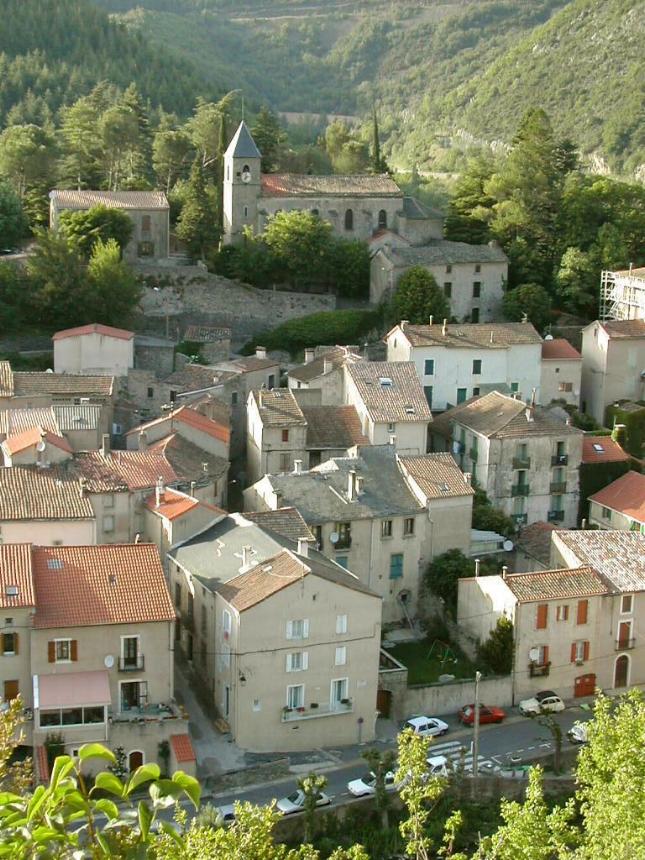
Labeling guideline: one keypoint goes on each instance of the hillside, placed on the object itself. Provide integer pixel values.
(440, 71)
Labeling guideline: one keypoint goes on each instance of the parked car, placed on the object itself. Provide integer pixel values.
(545, 700)
(295, 802)
(487, 714)
(367, 784)
(427, 727)
(577, 734)
(437, 765)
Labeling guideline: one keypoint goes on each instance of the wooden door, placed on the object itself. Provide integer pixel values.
(10, 690)
(621, 671)
(624, 634)
(135, 760)
(384, 702)
(584, 685)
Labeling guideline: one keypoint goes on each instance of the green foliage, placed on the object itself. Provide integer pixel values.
(632, 415)
(417, 298)
(268, 135)
(300, 243)
(488, 518)
(595, 476)
(380, 763)
(14, 775)
(13, 224)
(444, 572)
(54, 746)
(496, 653)
(85, 228)
(197, 226)
(325, 327)
(528, 301)
(348, 154)
(311, 786)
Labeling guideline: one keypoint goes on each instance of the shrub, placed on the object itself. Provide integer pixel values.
(325, 327)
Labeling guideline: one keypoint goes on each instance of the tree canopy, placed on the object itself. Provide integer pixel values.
(84, 228)
(417, 297)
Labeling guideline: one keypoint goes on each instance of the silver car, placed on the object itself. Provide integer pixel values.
(296, 802)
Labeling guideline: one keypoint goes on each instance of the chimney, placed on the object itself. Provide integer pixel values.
(158, 491)
(81, 487)
(260, 352)
(309, 355)
(476, 568)
(431, 319)
(491, 336)
(403, 324)
(468, 478)
(105, 444)
(303, 547)
(583, 524)
(193, 484)
(351, 485)
(246, 556)
(143, 440)
(504, 571)
(278, 499)
(567, 421)
(205, 468)
(297, 467)
(444, 328)
(392, 439)
(137, 537)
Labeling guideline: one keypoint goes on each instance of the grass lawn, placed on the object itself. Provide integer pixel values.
(424, 670)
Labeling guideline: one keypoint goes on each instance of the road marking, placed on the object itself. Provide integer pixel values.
(546, 745)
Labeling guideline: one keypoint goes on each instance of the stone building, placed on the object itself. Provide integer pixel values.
(561, 372)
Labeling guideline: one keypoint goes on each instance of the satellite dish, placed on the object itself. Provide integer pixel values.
(549, 337)
(109, 661)
(507, 545)
(246, 176)
(334, 537)
(534, 654)
(40, 447)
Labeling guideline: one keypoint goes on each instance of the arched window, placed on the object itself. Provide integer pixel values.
(621, 671)
(246, 173)
(135, 760)
(382, 219)
(349, 219)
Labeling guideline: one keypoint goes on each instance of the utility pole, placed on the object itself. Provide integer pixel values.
(478, 676)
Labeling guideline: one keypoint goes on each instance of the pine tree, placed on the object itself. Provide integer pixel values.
(197, 226)
(268, 135)
(378, 164)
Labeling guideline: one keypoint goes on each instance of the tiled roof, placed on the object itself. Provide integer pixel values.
(31, 493)
(84, 416)
(187, 461)
(333, 357)
(80, 586)
(495, 415)
(333, 427)
(31, 438)
(305, 185)
(625, 495)
(6, 379)
(559, 349)
(72, 385)
(287, 522)
(182, 747)
(15, 421)
(437, 475)
(278, 408)
(191, 418)
(206, 333)
(193, 377)
(602, 449)
(94, 328)
(535, 540)
(72, 199)
(556, 584)
(400, 399)
(242, 145)
(441, 252)
(247, 364)
(173, 505)
(618, 555)
(636, 273)
(417, 211)
(470, 335)
(16, 581)
(119, 471)
(624, 328)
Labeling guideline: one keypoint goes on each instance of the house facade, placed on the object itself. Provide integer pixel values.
(613, 359)
(323, 372)
(620, 505)
(561, 376)
(94, 349)
(456, 362)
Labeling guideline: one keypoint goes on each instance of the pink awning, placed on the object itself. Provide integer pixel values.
(72, 689)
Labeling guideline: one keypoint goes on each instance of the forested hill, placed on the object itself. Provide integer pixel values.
(53, 51)
(439, 69)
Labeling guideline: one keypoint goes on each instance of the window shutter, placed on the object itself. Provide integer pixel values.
(305, 660)
(4, 642)
(542, 615)
(288, 666)
(15, 643)
(51, 651)
(74, 650)
(583, 606)
(586, 651)
(546, 655)
(289, 629)
(574, 651)
(305, 629)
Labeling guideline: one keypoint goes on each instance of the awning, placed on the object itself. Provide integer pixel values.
(72, 689)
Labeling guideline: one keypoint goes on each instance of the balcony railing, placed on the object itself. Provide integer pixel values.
(624, 644)
(131, 664)
(521, 462)
(558, 487)
(555, 516)
(147, 713)
(520, 519)
(473, 454)
(537, 670)
(560, 460)
(324, 709)
(520, 490)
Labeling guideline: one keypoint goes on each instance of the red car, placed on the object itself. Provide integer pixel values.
(487, 714)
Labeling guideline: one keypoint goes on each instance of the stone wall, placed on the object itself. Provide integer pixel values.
(448, 698)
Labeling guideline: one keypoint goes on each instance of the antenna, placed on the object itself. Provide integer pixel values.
(242, 107)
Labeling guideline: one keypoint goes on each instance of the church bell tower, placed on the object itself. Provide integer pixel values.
(242, 184)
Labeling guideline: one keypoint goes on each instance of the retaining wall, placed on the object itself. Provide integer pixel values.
(448, 698)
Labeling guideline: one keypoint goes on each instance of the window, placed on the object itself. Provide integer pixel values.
(271, 381)
(134, 694)
(341, 656)
(343, 561)
(408, 526)
(285, 435)
(461, 395)
(318, 535)
(130, 656)
(562, 613)
(298, 628)
(246, 169)
(477, 366)
(234, 398)
(396, 565)
(391, 427)
(145, 223)
(339, 691)
(285, 462)
(542, 616)
(296, 696)
(349, 219)
(145, 249)
(515, 387)
(427, 390)
(297, 661)
(429, 367)
(246, 211)
(478, 267)
(72, 716)
(477, 289)
(542, 656)
(626, 603)
(476, 391)
(447, 289)
(386, 528)
(9, 644)
(344, 532)
(579, 652)
(178, 595)
(582, 612)
(63, 650)
(204, 620)
(341, 624)
(474, 315)
(565, 386)
(606, 514)
(382, 219)
(448, 269)
(108, 523)
(151, 392)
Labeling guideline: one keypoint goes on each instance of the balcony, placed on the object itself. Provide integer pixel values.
(473, 454)
(520, 490)
(521, 462)
(132, 664)
(555, 516)
(324, 709)
(624, 644)
(558, 487)
(520, 519)
(539, 671)
(560, 460)
(147, 713)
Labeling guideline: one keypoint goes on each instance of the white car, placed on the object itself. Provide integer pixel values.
(437, 765)
(367, 784)
(296, 802)
(427, 727)
(546, 700)
(577, 734)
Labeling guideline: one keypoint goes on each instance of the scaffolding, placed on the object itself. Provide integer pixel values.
(622, 295)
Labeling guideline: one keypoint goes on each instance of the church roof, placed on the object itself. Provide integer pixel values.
(304, 185)
(243, 145)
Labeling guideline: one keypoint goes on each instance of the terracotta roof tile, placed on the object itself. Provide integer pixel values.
(618, 555)
(602, 449)
(470, 335)
(191, 418)
(247, 364)
(6, 379)
(305, 185)
(187, 460)
(94, 328)
(287, 522)
(331, 358)
(30, 438)
(390, 390)
(81, 586)
(559, 349)
(624, 328)
(119, 471)
(625, 495)
(73, 199)
(16, 421)
(42, 764)
(535, 540)
(16, 580)
(437, 475)
(182, 747)
(173, 505)
(333, 427)
(279, 408)
(62, 384)
(31, 493)
(556, 584)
